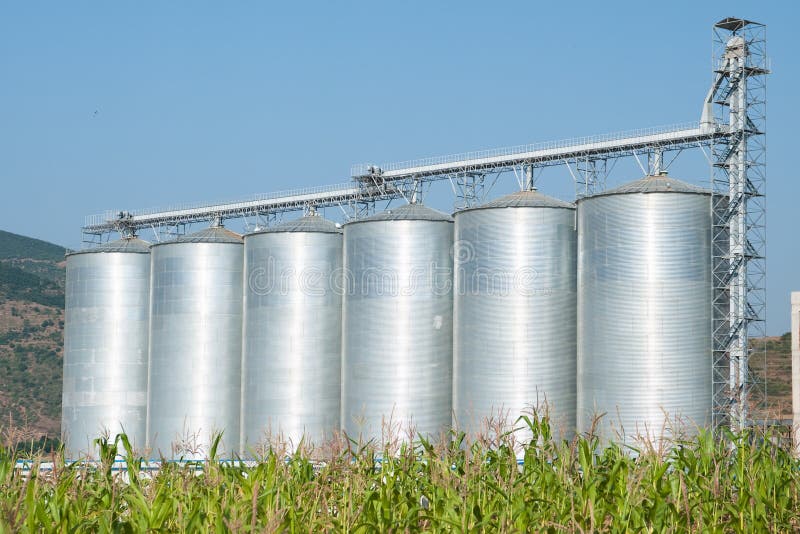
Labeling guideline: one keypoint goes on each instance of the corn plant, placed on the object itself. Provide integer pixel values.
(731, 483)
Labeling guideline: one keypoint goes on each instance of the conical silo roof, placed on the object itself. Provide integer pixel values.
(660, 183)
(213, 234)
(307, 223)
(523, 199)
(126, 244)
(409, 212)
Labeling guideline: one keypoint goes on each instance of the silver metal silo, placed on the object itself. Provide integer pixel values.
(515, 312)
(291, 370)
(644, 309)
(195, 344)
(105, 345)
(397, 323)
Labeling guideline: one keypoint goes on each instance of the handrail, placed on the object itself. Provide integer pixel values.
(364, 168)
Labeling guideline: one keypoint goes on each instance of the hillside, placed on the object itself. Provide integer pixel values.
(22, 285)
(778, 376)
(14, 246)
(40, 258)
(31, 337)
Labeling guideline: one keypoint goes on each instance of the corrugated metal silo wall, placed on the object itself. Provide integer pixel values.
(195, 348)
(515, 312)
(644, 312)
(105, 349)
(397, 328)
(292, 337)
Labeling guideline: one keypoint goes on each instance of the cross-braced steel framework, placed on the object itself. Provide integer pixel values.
(738, 101)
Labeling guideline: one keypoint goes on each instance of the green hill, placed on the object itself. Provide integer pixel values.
(19, 284)
(14, 246)
(31, 337)
(778, 375)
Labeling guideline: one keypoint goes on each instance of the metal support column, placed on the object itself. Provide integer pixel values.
(469, 189)
(590, 177)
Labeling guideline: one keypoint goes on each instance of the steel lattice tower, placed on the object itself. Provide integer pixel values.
(737, 105)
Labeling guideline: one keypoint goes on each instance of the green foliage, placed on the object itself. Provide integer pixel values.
(16, 284)
(30, 376)
(32, 277)
(775, 370)
(47, 270)
(33, 447)
(740, 483)
(781, 344)
(18, 246)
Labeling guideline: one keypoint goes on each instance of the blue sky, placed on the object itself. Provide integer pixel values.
(113, 105)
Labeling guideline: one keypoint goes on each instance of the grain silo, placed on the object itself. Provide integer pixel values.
(397, 324)
(195, 344)
(291, 369)
(644, 309)
(105, 345)
(514, 312)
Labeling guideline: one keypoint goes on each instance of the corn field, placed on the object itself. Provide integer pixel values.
(736, 483)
